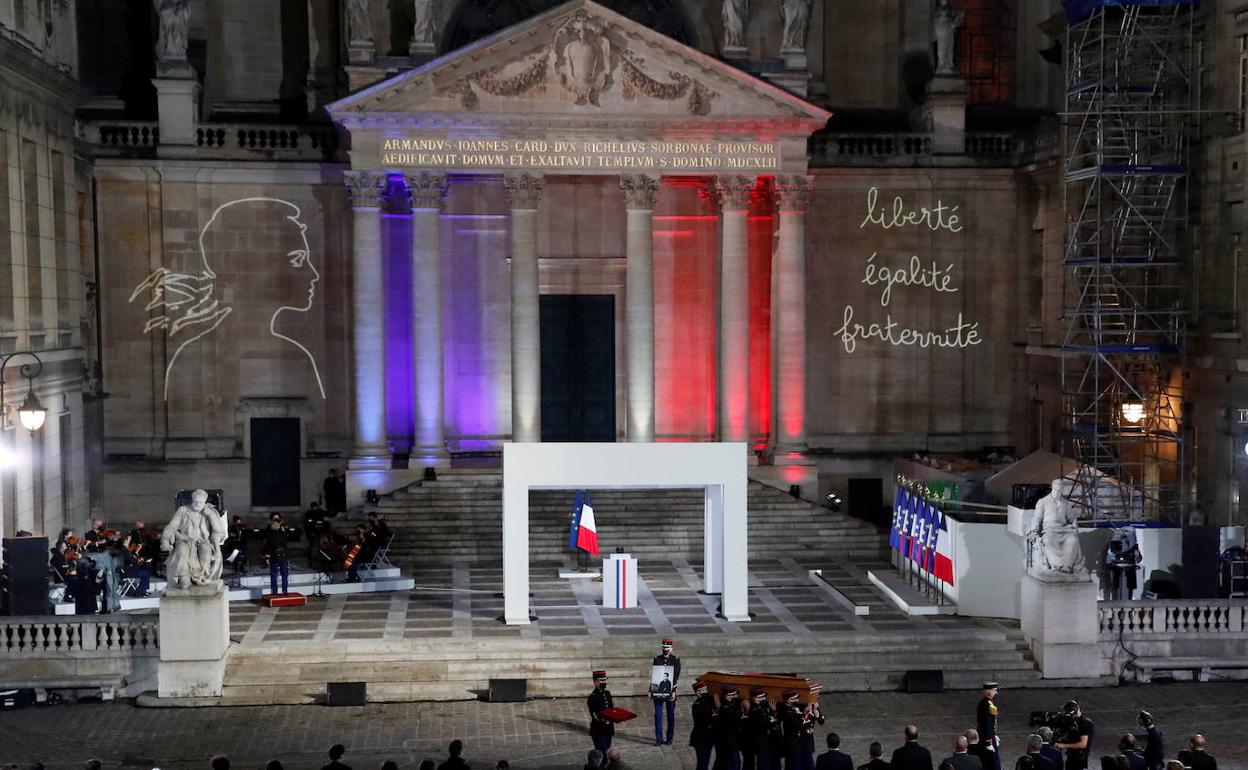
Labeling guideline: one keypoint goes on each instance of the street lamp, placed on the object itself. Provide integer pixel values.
(31, 413)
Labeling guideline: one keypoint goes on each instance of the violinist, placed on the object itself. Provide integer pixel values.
(135, 564)
(96, 538)
(234, 549)
(275, 544)
(314, 524)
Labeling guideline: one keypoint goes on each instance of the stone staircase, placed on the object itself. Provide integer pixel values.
(458, 518)
(459, 669)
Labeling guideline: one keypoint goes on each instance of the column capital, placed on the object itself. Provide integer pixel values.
(366, 188)
(524, 191)
(793, 192)
(640, 191)
(425, 189)
(734, 191)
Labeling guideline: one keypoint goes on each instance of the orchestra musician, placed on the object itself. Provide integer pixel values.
(355, 554)
(234, 548)
(96, 538)
(275, 542)
(134, 564)
(81, 588)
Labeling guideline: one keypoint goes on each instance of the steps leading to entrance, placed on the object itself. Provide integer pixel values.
(459, 669)
(458, 517)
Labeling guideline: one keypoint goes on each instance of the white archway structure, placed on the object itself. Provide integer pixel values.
(717, 468)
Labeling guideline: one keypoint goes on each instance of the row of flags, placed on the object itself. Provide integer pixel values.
(583, 531)
(919, 533)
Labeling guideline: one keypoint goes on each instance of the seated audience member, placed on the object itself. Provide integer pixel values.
(335, 758)
(428, 764)
(1196, 757)
(978, 749)
(1048, 750)
(834, 758)
(1126, 747)
(1038, 761)
(389, 764)
(273, 764)
(454, 761)
(910, 755)
(961, 758)
(220, 762)
(876, 753)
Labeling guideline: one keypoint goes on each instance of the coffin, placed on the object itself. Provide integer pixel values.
(775, 684)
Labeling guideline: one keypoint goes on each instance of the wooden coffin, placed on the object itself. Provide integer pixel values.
(775, 684)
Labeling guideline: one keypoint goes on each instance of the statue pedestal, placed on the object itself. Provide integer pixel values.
(796, 83)
(945, 114)
(194, 638)
(794, 58)
(177, 107)
(1059, 621)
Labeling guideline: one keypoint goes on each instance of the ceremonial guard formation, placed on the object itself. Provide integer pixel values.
(799, 731)
(764, 734)
(986, 722)
(663, 692)
(729, 720)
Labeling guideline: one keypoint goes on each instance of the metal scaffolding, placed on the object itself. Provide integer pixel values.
(1125, 154)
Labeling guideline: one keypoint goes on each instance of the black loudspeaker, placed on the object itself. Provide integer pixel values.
(25, 549)
(16, 699)
(27, 599)
(923, 681)
(1199, 576)
(865, 498)
(346, 693)
(508, 690)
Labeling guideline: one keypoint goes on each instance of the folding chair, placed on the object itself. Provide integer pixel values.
(381, 559)
(129, 586)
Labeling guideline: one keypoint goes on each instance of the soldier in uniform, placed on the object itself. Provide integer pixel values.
(763, 728)
(729, 721)
(702, 737)
(986, 722)
(665, 698)
(798, 723)
(601, 730)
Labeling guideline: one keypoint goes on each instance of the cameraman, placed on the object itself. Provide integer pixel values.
(1078, 742)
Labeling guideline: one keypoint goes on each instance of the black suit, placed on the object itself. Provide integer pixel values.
(834, 760)
(911, 756)
(964, 761)
(876, 764)
(1041, 762)
(984, 754)
(1198, 760)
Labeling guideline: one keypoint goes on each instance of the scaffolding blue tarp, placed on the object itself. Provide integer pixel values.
(1078, 10)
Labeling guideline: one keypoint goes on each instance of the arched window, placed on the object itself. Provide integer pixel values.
(985, 50)
(474, 19)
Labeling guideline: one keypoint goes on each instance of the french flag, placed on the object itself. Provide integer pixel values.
(943, 566)
(587, 530)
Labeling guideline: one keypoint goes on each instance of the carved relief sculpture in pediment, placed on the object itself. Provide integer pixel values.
(586, 61)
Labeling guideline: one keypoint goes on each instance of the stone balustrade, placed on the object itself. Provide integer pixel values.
(215, 141)
(1176, 617)
(981, 149)
(48, 636)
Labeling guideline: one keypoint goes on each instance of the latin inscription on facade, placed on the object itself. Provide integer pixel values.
(578, 154)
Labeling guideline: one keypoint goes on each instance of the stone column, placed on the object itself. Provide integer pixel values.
(639, 195)
(427, 192)
(366, 189)
(524, 191)
(734, 307)
(788, 316)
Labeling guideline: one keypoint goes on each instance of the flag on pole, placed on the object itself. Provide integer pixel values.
(942, 566)
(575, 522)
(920, 522)
(587, 531)
(894, 533)
(933, 534)
(903, 523)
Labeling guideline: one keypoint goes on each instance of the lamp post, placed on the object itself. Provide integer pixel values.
(31, 413)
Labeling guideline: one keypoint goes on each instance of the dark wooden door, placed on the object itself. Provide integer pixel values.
(275, 461)
(578, 367)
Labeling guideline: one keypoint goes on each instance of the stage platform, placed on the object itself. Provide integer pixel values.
(444, 640)
(302, 580)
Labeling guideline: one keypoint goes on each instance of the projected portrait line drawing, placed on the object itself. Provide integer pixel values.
(189, 306)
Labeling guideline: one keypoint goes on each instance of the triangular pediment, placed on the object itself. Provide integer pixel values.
(581, 63)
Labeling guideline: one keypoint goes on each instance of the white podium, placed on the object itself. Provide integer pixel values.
(619, 581)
